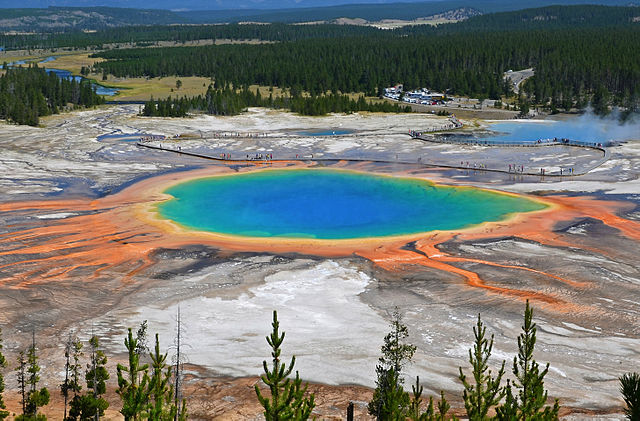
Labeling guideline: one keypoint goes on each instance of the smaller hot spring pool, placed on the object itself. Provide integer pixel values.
(122, 137)
(525, 131)
(329, 132)
(578, 131)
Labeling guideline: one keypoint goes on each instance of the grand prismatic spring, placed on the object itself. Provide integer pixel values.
(329, 204)
(96, 235)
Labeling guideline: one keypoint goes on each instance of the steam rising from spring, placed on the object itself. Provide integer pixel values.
(610, 127)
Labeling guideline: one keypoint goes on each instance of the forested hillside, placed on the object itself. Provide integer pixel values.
(571, 64)
(29, 93)
(44, 17)
(369, 12)
(580, 54)
(376, 11)
(181, 33)
(553, 17)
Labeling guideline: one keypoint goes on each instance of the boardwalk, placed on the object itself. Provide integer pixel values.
(499, 162)
(398, 160)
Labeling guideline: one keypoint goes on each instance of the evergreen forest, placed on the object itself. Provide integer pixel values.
(150, 34)
(145, 33)
(572, 65)
(26, 94)
(226, 101)
(581, 55)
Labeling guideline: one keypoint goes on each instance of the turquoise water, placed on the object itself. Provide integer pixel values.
(532, 131)
(330, 132)
(123, 137)
(330, 204)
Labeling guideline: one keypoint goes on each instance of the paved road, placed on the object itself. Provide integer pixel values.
(518, 77)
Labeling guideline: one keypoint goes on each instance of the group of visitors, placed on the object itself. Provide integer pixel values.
(475, 165)
(260, 157)
(151, 138)
(238, 134)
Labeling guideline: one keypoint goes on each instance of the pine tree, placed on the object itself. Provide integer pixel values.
(21, 375)
(630, 389)
(524, 108)
(600, 101)
(161, 391)
(3, 364)
(65, 386)
(150, 109)
(508, 411)
(485, 391)
(72, 353)
(443, 410)
(96, 376)
(132, 382)
(414, 412)
(288, 400)
(35, 398)
(178, 401)
(392, 401)
(389, 400)
(72, 379)
(529, 404)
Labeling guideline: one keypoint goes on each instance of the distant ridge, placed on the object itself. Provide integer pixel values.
(376, 12)
(82, 18)
(66, 19)
(272, 5)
